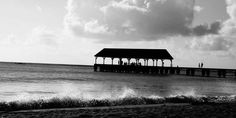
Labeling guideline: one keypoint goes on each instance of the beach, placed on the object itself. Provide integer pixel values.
(137, 111)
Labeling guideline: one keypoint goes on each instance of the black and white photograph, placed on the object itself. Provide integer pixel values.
(118, 58)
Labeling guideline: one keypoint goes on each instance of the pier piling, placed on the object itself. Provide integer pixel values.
(166, 71)
(219, 73)
(192, 72)
(208, 73)
(161, 71)
(224, 73)
(172, 71)
(203, 72)
(187, 71)
(177, 71)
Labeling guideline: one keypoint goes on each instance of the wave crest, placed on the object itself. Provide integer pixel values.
(71, 103)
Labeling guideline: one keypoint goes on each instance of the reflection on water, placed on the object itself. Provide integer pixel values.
(32, 82)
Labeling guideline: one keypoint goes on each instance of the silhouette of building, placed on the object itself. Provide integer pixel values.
(154, 55)
(146, 54)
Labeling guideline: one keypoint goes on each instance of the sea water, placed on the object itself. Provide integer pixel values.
(25, 82)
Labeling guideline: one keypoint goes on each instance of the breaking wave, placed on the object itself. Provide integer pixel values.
(127, 97)
(70, 91)
(72, 102)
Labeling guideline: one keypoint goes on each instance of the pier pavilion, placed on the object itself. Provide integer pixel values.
(138, 54)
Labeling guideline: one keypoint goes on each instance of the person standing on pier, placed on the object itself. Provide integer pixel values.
(201, 65)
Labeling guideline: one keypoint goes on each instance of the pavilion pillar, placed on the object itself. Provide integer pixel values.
(171, 63)
(120, 59)
(104, 60)
(96, 60)
(162, 63)
(153, 62)
(136, 61)
(112, 61)
(156, 62)
(129, 61)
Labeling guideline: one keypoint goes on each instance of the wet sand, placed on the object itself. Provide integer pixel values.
(137, 111)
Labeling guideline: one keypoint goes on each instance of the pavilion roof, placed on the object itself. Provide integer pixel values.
(134, 53)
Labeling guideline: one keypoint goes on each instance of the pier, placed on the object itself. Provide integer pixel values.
(153, 55)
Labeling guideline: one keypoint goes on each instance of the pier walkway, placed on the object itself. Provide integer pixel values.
(158, 70)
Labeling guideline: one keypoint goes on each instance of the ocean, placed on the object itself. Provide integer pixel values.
(25, 82)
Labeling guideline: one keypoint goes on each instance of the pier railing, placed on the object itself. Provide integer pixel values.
(190, 71)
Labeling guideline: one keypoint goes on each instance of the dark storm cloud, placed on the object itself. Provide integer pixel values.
(206, 29)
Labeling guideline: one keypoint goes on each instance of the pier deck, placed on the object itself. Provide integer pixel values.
(189, 71)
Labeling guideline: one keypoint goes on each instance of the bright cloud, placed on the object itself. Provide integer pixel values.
(129, 20)
(135, 20)
(198, 8)
(229, 27)
(39, 9)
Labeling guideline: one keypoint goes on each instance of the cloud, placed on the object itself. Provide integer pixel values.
(135, 20)
(42, 35)
(39, 9)
(148, 20)
(229, 26)
(219, 36)
(206, 29)
(129, 19)
(211, 43)
(9, 39)
(198, 8)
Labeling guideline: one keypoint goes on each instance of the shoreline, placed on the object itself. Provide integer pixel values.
(53, 64)
(101, 108)
(140, 111)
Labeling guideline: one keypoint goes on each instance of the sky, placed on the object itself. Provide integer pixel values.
(73, 31)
